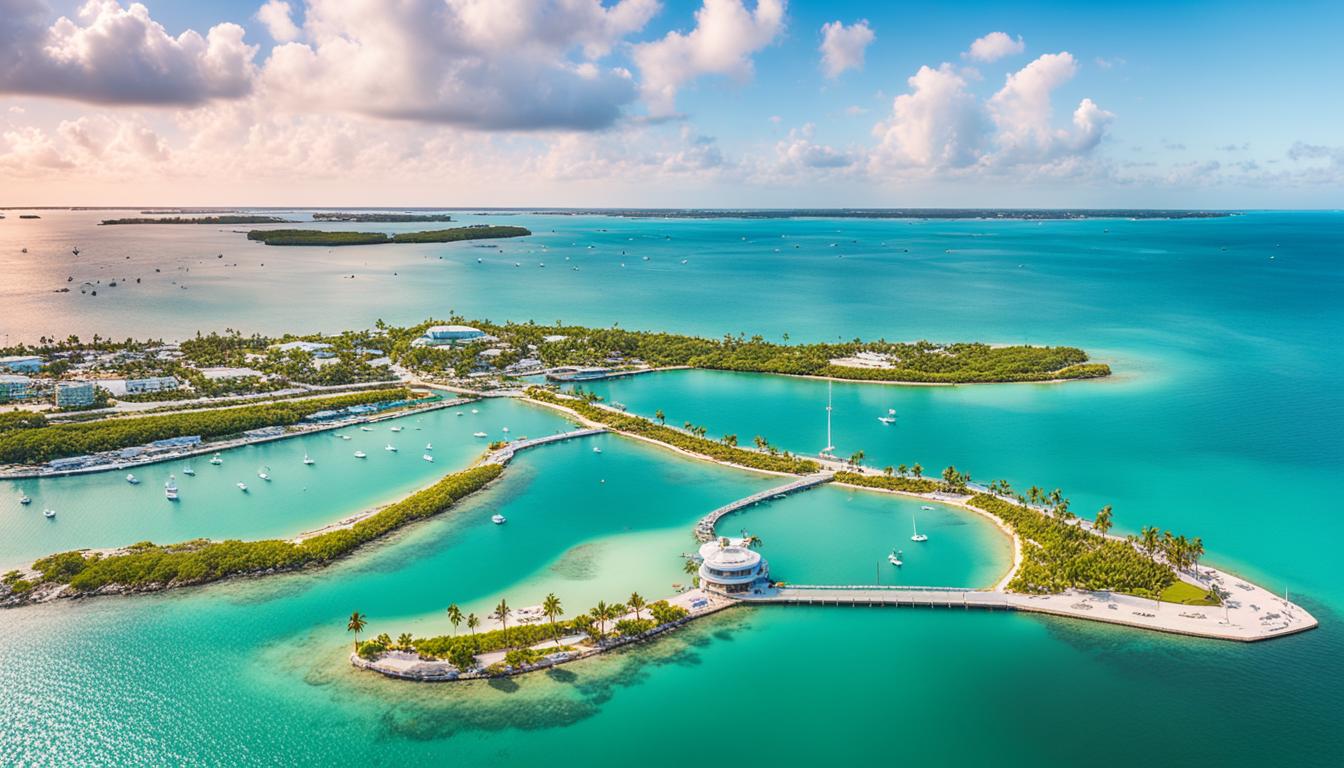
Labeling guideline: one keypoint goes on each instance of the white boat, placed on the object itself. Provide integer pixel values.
(264, 475)
(216, 460)
(597, 449)
(132, 479)
(890, 418)
(895, 558)
(916, 535)
(390, 448)
(188, 471)
(360, 454)
(478, 434)
(395, 429)
(366, 429)
(459, 413)
(242, 487)
(427, 457)
(48, 513)
(429, 446)
(926, 507)
(25, 500)
(828, 451)
(504, 429)
(497, 519)
(170, 488)
(475, 410)
(308, 459)
(345, 437)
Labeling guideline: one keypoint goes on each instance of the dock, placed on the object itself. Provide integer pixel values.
(505, 454)
(704, 530)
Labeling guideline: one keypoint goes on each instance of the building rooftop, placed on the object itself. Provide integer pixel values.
(729, 558)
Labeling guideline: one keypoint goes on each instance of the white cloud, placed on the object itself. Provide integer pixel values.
(995, 46)
(799, 151)
(939, 124)
(485, 64)
(118, 55)
(275, 14)
(843, 47)
(726, 35)
(1021, 111)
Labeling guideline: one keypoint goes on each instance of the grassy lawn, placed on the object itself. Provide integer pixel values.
(1187, 594)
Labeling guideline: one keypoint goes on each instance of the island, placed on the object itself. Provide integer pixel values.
(890, 213)
(320, 237)
(239, 219)
(382, 218)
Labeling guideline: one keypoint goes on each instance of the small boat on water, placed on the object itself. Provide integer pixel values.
(890, 418)
(25, 500)
(429, 446)
(188, 471)
(926, 507)
(263, 474)
(360, 454)
(459, 413)
(916, 535)
(308, 459)
(242, 486)
(48, 513)
(345, 437)
(170, 488)
(597, 449)
(366, 429)
(505, 429)
(390, 448)
(895, 558)
(475, 410)
(478, 434)
(498, 519)
(216, 460)
(395, 429)
(132, 479)
(427, 457)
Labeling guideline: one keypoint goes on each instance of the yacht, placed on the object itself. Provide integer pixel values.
(366, 429)
(429, 446)
(132, 479)
(308, 459)
(216, 460)
(395, 429)
(497, 519)
(170, 488)
(926, 507)
(263, 474)
(242, 487)
(360, 454)
(916, 535)
(475, 410)
(478, 434)
(895, 558)
(427, 457)
(597, 449)
(390, 448)
(48, 513)
(188, 471)
(890, 418)
(25, 500)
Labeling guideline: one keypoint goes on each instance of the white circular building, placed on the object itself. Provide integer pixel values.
(732, 568)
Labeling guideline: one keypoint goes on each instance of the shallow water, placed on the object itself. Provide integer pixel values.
(1223, 420)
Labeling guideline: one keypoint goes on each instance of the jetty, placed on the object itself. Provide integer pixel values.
(505, 454)
(704, 530)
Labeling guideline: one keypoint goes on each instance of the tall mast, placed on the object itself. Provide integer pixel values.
(829, 445)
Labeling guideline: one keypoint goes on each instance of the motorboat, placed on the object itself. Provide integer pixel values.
(25, 500)
(427, 457)
(132, 479)
(170, 488)
(890, 418)
(216, 460)
(504, 429)
(264, 475)
(48, 513)
(390, 448)
(188, 471)
(366, 429)
(498, 519)
(429, 446)
(345, 437)
(475, 410)
(459, 413)
(394, 429)
(242, 487)
(308, 459)
(895, 558)
(916, 535)
(926, 507)
(597, 449)
(360, 454)
(478, 434)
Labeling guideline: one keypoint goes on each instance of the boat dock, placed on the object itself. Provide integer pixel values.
(505, 454)
(704, 530)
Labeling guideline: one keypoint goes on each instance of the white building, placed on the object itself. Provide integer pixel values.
(318, 349)
(732, 568)
(14, 387)
(151, 384)
(437, 335)
(74, 393)
(21, 363)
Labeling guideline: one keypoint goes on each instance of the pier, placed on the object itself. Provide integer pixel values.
(704, 530)
(505, 454)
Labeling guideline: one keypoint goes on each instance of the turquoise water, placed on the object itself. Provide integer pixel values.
(1223, 421)
(103, 510)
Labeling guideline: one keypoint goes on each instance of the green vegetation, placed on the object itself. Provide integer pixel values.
(202, 220)
(148, 565)
(382, 218)
(890, 483)
(21, 420)
(916, 362)
(1187, 594)
(39, 444)
(698, 444)
(320, 237)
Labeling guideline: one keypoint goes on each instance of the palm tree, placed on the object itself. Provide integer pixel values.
(760, 442)
(691, 568)
(552, 608)
(1196, 551)
(1148, 540)
(601, 612)
(730, 440)
(636, 603)
(454, 616)
(751, 541)
(1103, 521)
(404, 641)
(356, 624)
(687, 426)
(473, 623)
(501, 614)
(917, 470)
(660, 416)
(1034, 494)
(856, 458)
(1055, 496)
(901, 469)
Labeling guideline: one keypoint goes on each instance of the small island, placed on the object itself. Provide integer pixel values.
(231, 219)
(382, 218)
(320, 237)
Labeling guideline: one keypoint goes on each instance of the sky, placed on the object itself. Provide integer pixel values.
(671, 103)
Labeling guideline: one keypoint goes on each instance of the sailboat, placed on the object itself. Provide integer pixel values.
(132, 479)
(394, 429)
(895, 558)
(25, 500)
(216, 460)
(264, 474)
(890, 418)
(390, 448)
(308, 459)
(170, 488)
(827, 452)
(188, 471)
(427, 457)
(429, 446)
(48, 513)
(916, 535)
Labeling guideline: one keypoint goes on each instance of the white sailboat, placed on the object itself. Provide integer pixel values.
(48, 513)
(827, 452)
(390, 448)
(890, 418)
(394, 429)
(170, 488)
(498, 519)
(916, 535)
(188, 471)
(23, 499)
(242, 486)
(895, 558)
(427, 457)
(216, 460)
(429, 446)
(308, 459)
(264, 474)
(132, 479)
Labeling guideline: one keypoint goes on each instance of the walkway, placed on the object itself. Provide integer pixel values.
(704, 530)
(505, 454)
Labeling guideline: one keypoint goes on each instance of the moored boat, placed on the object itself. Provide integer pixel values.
(498, 519)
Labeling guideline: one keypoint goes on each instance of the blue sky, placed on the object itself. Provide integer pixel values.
(711, 102)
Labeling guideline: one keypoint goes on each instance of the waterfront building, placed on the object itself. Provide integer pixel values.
(318, 349)
(15, 387)
(732, 568)
(73, 394)
(21, 363)
(578, 374)
(264, 432)
(437, 335)
(151, 384)
(185, 441)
